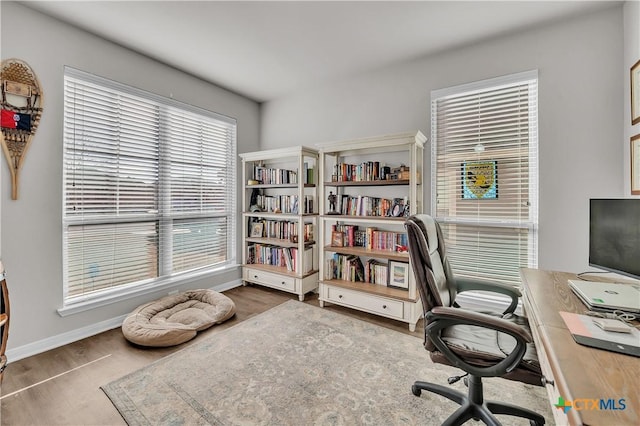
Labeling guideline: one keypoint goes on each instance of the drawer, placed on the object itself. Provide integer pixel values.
(552, 390)
(269, 279)
(547, 372)
(366, 302)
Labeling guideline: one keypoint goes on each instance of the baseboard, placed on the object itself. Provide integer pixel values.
(30, 349)
(56, 341)
(228, 285)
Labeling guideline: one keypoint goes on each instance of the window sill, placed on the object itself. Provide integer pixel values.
(156, 286)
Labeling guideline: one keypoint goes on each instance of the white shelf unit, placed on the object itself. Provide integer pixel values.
(393, 151)
(283, 254)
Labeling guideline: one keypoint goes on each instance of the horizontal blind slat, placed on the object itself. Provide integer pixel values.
(494, 128)
(133, 161)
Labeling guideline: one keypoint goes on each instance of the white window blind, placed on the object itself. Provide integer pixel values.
(149, 188)
(485, 175)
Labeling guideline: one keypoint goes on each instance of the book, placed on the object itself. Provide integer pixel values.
(308, 259)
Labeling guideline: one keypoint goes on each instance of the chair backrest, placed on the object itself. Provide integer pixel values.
(429, 261)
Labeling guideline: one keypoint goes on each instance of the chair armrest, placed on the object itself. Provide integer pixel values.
(468, 284)
(440, 318)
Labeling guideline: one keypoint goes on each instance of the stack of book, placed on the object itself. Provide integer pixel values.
(350, 268)
(371, 238)
(284, 257)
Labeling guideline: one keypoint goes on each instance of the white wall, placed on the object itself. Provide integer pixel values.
(32, 225)
(631, 56)
(580, 89)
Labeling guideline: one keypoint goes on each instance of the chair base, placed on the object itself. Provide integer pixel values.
(472, 406)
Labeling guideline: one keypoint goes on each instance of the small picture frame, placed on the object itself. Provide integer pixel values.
(256, 230)
(635, 164)
(337, 239)
(397, 209)
(398, 275)
(635, 93)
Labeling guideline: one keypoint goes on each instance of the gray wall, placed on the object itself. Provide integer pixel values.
(580, 110)
(32, 225)
(631, 56)
(584, 141)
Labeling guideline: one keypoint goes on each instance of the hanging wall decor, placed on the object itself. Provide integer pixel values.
(480, 180)
(21, 112)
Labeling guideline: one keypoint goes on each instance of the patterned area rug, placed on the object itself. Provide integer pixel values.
(298, 364)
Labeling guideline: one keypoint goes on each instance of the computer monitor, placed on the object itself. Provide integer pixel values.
(614, 235)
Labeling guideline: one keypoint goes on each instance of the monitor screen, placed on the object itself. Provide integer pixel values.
(614, 235)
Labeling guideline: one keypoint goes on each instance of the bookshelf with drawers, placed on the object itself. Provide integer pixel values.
(367, 189)
(280, 219)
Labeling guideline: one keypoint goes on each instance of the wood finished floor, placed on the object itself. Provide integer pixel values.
(62, 386)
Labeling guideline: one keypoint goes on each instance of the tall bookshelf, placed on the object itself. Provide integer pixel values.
(367, 189)
(280, 219)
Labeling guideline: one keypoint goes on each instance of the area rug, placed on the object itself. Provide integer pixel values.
(298, 364)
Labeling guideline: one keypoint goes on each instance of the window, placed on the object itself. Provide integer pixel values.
(484, 175)
(149, 189)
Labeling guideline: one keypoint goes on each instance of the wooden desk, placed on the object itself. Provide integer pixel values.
(578, 372)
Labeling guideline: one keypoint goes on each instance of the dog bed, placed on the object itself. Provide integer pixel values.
(177, 318)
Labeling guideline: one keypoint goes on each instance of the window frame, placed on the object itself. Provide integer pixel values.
(163, 218)
(531, 225)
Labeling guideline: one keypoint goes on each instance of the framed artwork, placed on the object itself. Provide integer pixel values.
(256, 230)
(635, 93)
(398, 274)
(479, 180)
(337, 239)
(635, 164)
(398, 207)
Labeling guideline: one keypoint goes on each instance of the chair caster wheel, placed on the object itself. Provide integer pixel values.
(416, 390)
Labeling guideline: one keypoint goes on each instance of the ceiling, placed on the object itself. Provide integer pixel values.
(267, 49)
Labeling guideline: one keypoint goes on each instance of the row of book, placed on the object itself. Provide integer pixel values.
(285, 257)
(364, 205)
(351, 268)
(365, 171)
(271, 176)
(282, 229)
(369, 238)
(284, 203)
(276, 176)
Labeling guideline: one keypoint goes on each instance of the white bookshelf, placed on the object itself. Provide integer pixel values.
(281, 252)
(365, 198)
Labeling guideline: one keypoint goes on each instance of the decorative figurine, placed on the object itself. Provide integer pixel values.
(332, 203)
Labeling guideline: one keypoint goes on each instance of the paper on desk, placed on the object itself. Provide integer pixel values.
(583, 325)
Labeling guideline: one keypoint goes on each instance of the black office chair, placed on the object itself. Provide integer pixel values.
(481, 344)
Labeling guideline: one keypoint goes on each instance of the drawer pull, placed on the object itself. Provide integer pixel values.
(255, 276)
(384, 306)
(546, 381)
(282, 283)
(339, 296)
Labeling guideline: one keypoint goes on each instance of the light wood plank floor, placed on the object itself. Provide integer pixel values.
(62, 386)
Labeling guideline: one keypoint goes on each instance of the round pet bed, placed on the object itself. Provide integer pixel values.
(176, 319)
